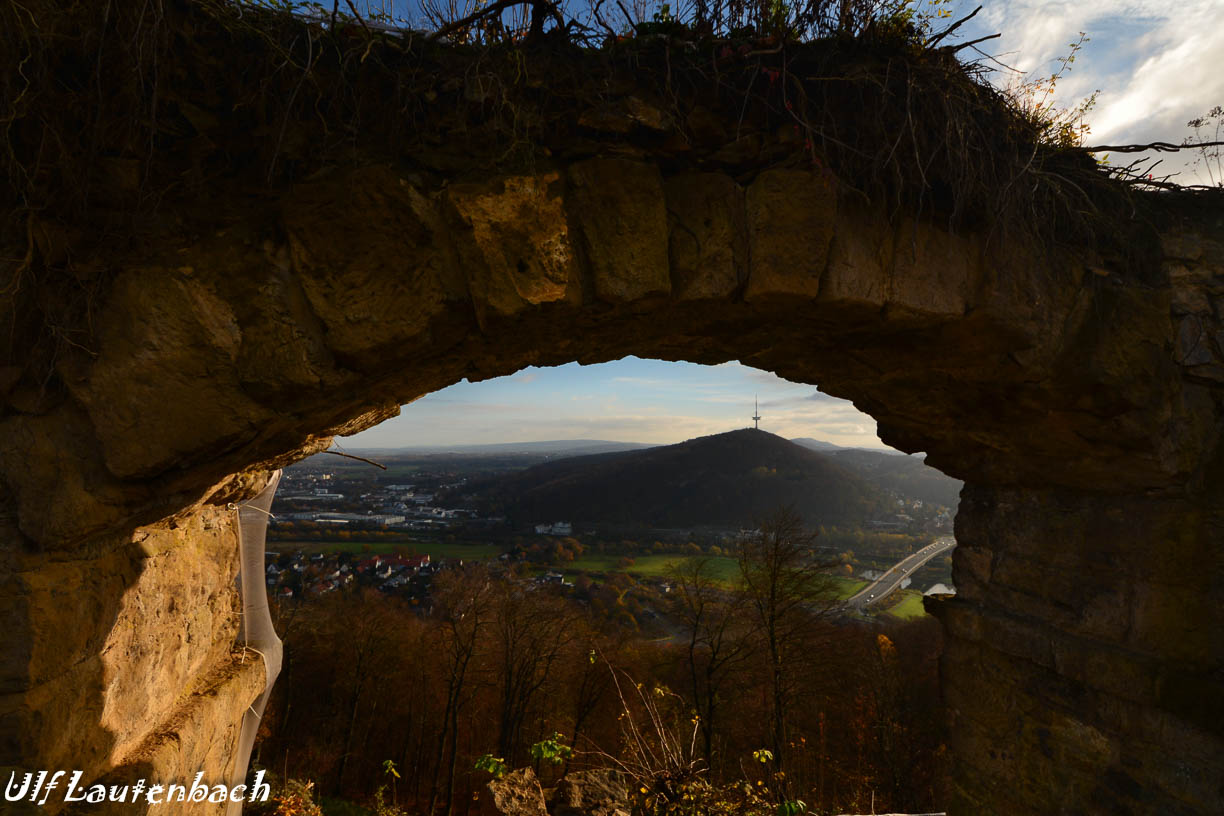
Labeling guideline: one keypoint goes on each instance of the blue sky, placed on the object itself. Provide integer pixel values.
(1156, 64)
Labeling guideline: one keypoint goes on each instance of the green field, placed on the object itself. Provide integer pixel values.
(848, 586)
(650, 566)
(722, 568)
(909, 607)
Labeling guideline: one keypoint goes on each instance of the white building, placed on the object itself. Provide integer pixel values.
(561, 528)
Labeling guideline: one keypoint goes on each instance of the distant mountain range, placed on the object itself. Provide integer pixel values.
(821, 445)
(555, 447)
(893, 470)
(725, 480)
(572, 447)
(907, 476)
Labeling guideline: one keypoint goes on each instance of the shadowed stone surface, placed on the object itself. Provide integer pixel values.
(1082, 668)
(1080, 396)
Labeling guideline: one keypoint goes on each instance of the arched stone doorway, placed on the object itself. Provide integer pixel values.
(1079, 397)
(1082, 662)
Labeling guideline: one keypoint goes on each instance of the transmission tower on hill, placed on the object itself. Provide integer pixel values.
(756, 415)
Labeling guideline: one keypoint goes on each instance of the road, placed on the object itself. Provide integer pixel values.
(890, 580)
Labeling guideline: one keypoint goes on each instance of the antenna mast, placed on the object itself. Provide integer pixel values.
(756, 415)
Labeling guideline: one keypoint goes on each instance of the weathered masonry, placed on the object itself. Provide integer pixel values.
(1079, 395)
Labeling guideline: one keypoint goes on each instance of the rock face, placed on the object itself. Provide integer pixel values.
(1080, 396)
(118, 650)
(1082, 668)
(602, 792)
(518, 793)
(1083, 662)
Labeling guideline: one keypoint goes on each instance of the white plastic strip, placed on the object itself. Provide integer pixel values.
(257, 632)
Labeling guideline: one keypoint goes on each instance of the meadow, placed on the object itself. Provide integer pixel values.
(655, 566)
(909, 607)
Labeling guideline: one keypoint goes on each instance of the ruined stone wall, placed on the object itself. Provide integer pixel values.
(1081, 666)
(120, 658)
(260, 234)
(1080, 400)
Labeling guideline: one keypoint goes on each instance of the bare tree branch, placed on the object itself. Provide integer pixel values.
(1159, 147)
(595, 9)
(625, 11)
(954, 49)
(943, 34)
(550, 9)
(352, 8)
(358, 458)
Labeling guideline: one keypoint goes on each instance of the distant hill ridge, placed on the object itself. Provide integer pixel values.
(822, 445)
(907, 475)
(727, 480)
(552, 447)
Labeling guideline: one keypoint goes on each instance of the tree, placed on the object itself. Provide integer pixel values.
(360, 647)
(717, 642)
(532, 631)
(463, 598)
(785, 591)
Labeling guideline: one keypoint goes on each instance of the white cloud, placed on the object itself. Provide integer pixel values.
(1157, 64)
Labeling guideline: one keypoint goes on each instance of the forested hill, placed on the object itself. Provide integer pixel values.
(907, 476)
(727, 480)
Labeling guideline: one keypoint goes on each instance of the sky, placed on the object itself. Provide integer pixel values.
(1156, 64)
(629, 400)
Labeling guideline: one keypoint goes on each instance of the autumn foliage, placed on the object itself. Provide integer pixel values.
(848, 713)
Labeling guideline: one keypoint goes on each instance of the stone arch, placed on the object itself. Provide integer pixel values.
(287, 289)
(1079, 402)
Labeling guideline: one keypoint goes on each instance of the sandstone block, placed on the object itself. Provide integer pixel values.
(370, 252)
(515, 242)
(622, 116)
(518, 793)
(933, 270)
(709, 240)
(283, 353)
(65, 491)
(857, 274)
(602, 792)
(114, 641)
(166, 339)
(791, 216)
(974, 563)
(1193, 342)
(618, 207)
(1105, 667)
(1176, 621)
(1183, 246)
(212, 715)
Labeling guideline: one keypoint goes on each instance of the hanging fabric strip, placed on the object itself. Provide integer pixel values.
(257, 633)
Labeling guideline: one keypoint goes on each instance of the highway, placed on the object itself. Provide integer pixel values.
(890, 580)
